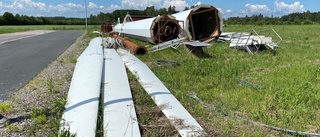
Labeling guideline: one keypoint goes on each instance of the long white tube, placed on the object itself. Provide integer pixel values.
(137, 29)
(80, 115)
(179, 117)
(119, 115)
(154, 30)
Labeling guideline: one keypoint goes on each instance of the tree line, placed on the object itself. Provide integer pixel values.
(9, 19)
(304, 18)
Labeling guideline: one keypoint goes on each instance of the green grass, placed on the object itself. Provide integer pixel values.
(18, 28)
(5, 108)
(283, 90)
(280, 89)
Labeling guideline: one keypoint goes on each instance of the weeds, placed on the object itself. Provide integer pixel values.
(72, 59)
(39, 118)
(100, 126)
(59, 105)
(69, 77)
(51, 85)
(5, 108)
(66, 133)
(13, 128)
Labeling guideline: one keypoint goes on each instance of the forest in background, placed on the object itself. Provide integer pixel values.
(305, 18)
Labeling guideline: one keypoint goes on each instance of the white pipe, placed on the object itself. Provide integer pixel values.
(137, 29)
(184, 21)
(154, 30)
(119, 114)
(179, 117)
(80, 115)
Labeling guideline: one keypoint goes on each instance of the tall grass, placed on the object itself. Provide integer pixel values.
(279, 89)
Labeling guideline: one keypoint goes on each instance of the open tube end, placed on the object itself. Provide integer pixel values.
(204, 23)
(140, 50)
(165, 28)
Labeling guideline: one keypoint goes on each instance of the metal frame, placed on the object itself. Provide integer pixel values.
(254, 38)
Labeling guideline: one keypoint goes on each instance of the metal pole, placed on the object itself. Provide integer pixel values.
(85, 3)
(179, 117)
(83, 98)
(154, 30)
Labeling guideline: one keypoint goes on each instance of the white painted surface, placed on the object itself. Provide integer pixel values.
(241, 43)
(197, 44)
(94, 48)
(183, 18)
(184, 21)
(81, 112)
(137, 29)
(171, 107)
(118, 109)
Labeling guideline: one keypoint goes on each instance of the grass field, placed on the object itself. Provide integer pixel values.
(11, 29)
(279, 89)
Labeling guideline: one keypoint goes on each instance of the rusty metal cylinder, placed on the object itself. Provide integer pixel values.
(108, 27)
(132, 47)
(103, 28)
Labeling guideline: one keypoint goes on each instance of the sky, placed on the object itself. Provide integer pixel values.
(228, 8)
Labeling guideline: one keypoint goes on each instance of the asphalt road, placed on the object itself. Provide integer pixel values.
(21, 60)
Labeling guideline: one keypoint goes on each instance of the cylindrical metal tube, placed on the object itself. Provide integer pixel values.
(154, 30)
(103, 28)
(201, 23)
(109, 27)
(83, 98)
(132, 47)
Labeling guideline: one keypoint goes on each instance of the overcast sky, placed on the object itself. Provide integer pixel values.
(228, 8)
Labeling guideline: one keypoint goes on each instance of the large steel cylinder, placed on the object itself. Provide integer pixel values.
(201, 23)
(154, 30)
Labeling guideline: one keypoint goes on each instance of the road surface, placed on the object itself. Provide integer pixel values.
(22, 58)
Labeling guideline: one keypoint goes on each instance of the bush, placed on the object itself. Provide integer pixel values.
(297, 22)
(259, 23)
(307, 22)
